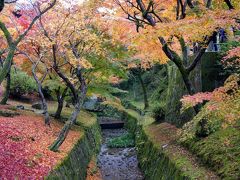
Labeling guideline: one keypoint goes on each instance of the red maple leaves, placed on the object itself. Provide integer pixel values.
(23, 22)
(24, 152)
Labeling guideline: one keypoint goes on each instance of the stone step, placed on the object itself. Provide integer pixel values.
(115, 124)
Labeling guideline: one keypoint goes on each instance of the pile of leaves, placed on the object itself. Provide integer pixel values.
(24, 152)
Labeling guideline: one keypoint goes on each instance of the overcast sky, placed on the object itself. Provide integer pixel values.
(66, 2)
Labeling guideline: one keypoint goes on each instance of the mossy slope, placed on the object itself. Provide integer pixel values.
(159, 155)
(220, 150)
(74, 166)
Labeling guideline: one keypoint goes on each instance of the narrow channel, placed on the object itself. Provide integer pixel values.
(118, 163)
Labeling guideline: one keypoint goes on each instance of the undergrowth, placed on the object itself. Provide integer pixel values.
(126, 140)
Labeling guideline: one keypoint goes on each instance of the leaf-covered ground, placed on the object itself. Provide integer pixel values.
(24, 152)
(93, 172)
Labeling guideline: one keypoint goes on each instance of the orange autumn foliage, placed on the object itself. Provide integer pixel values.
(198, 24)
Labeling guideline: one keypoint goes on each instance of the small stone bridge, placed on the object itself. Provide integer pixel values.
(110, 123)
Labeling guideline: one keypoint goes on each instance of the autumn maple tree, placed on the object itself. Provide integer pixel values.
(223, 101)
(20, 25)
(173, 27)
(74, 48)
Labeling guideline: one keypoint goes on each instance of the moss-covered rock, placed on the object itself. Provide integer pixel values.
(124, 141)
(110, 111)
(8, 113)
(158, 112)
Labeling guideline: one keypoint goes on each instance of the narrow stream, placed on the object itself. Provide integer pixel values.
(118, 163)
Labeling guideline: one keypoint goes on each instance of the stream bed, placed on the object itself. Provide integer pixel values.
(118, 163)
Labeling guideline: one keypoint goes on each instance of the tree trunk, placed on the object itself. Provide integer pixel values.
(1, 5)
(229, 4)
(59, 109)
(7, 91)
(7, 64)
(209, 3)
(44, 102)
(190, 4)
(79, 101)
(187, 82)
(146, 104)
(60, 98)
(65, 130)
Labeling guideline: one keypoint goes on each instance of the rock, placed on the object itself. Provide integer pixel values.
(8, 113)
(38, 106)
(21, 107)
(93, 104)
(164, 146)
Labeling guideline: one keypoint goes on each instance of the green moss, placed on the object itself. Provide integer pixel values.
(190, 130)
(220, 151)
(110, 111)
(13, 108)
(126, 140)
(159, 160)
(219, 147)
(133, 118)
(8, 113)
(158, 111)
(74, 165)
(175, 91)
(154, 163)
(85, 118)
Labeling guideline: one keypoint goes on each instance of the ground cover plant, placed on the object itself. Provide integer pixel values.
(126, 140)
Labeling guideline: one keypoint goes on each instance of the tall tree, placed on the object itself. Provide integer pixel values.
(156, 22)
(70, 40)
(12, 42)
(39, 81)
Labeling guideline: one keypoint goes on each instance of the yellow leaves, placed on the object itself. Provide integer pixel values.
(132, 65)
(114, 79)
(81, 61)
(85, 64)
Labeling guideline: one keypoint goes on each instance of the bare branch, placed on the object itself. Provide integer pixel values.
(61, 75)
(34, 20)
(229, 4)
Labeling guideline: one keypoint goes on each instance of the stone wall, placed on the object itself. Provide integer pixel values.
(74, 166)
(159, 160)
(205, 77)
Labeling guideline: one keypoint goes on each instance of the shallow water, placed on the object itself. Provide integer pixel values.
(118, 163)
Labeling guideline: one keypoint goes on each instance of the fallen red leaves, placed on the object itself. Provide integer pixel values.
(93, 173)
(24, 152)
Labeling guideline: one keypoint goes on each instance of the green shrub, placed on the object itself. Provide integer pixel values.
(206, 127)
(22, 83)
(202, 125)
(158, 112)
(126, 140)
